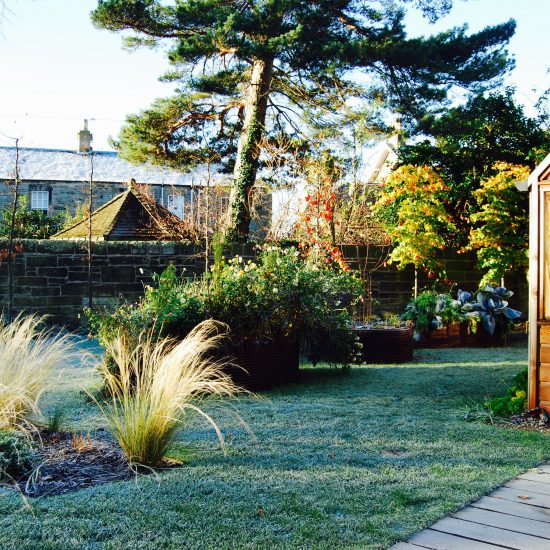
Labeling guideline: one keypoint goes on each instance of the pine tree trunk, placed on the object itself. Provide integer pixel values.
(248, 152)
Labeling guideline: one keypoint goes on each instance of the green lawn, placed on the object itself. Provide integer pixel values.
(342, 460)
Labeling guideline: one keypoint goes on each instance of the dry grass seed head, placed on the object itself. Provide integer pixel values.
(82, 443)
(29, 356)
(157, 383)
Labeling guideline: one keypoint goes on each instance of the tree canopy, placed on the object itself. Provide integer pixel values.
(466, 142)
(248, 70)
(479, 150)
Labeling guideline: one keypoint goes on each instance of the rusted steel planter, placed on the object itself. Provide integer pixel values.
(386, 345)
(265, 364)
(459, 335)
(482, 339)
(451, 336)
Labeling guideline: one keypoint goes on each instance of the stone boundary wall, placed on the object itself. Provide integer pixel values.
(392, 288)
(50, 277)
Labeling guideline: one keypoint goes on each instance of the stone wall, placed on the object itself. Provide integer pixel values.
(391, 288)
(50, 277)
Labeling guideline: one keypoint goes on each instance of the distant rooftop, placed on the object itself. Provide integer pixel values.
(37, 164)
(132, 216)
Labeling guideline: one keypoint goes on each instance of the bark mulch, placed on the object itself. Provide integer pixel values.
(68, 462)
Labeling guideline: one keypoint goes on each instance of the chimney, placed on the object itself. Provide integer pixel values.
(85, 139)
(395, 140)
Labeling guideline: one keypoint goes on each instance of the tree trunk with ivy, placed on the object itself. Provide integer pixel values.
(230, 57)
(248, 152)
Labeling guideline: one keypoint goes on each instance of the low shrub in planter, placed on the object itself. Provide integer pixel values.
(487, 307)
(281, 295)
(431, 310)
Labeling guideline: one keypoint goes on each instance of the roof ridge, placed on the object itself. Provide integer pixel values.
(53, 150)
(124, 198)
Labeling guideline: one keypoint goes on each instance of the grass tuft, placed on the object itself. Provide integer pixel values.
(28, 357)
(156, 384)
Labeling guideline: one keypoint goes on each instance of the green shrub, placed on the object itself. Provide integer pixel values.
(280, 295)
(431, 310)
(29, 224)
(17, 454)
(513, 401)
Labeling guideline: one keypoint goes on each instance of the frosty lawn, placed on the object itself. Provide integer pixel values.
(342, 460)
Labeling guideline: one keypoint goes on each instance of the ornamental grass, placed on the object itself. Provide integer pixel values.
(157, 383)
(29, 356)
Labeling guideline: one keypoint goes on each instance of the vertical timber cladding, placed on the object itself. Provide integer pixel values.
(539, 287)
(544, 367)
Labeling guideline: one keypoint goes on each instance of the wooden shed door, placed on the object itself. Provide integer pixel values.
(543, 351)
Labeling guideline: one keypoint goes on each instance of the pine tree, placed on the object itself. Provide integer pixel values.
(250, 69)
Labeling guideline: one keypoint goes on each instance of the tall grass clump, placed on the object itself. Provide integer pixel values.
(29, 356)
(156, 384)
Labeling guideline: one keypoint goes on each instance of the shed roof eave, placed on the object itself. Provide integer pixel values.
(542, 167)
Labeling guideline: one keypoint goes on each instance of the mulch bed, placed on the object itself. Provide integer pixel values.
(69, 462)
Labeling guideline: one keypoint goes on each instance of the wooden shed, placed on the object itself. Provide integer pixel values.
(130, 216)
(539, 287)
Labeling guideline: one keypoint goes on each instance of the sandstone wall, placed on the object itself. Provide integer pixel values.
(50, 277)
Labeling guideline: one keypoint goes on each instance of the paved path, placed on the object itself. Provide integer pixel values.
(516, 515)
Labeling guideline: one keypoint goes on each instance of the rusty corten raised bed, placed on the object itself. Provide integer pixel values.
(386, 345)
(451, 336)
(265, 364)
(459, 335)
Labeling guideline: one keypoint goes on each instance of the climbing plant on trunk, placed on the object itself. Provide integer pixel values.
(248, 70)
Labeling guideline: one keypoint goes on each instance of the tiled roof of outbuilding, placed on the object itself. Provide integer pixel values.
(129, 216)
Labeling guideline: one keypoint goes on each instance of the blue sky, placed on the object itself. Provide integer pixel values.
(57, 69)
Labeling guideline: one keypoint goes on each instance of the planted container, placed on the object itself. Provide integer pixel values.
(265, 364)
(385, 344)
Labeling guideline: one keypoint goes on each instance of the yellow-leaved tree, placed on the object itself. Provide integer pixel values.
(413, 211)
(500, 223)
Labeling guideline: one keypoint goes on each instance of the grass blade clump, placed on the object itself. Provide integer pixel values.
(28, 357)
(156, 384)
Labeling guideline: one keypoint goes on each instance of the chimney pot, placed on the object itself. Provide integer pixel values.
(85, 139)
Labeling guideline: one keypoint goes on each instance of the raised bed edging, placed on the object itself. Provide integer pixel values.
(459, 335)
(386, 345)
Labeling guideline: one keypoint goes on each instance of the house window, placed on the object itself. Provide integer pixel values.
(176, 205)
(40, 200)
(224, 204)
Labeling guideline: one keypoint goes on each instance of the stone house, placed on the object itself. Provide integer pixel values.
(55, 181)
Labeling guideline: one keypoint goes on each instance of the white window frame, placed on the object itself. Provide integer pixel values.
(224, 204)
(179, 210)
(40, 200)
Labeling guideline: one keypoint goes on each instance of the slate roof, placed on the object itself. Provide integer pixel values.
(38, 164)
(129, 216)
